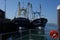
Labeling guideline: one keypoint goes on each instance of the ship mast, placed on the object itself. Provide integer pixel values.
(19, 9)
(30, 11)
(39, 13)
(5, 6)
(24, 10)
(40, 10)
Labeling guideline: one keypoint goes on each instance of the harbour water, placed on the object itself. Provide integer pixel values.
(35, 34)
(48, 29)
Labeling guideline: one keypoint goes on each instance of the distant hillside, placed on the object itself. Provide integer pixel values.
(51, 24)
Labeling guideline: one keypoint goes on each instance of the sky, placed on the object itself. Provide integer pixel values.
(49, 8)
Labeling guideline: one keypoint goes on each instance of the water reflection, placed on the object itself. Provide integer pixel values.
(26, 34)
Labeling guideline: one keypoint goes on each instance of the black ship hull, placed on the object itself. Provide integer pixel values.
(23, 22)
(40, 22)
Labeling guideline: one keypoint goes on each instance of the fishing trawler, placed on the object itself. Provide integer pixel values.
(26, 22)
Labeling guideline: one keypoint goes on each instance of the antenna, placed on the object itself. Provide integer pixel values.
(18, 8)
(5, 6)
(40, 10)
(30, 8)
